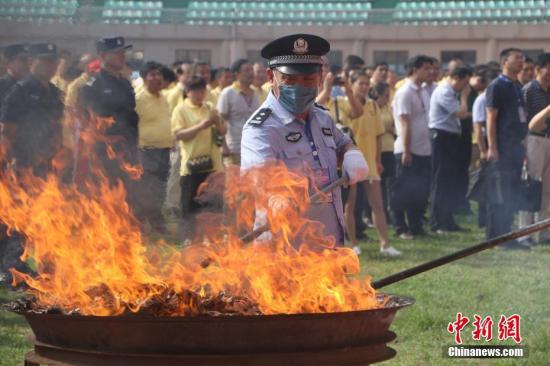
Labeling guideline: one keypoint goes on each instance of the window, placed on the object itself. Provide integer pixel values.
(335, 57)
(194, 55)
(468, 57)
(532, 54)
(396, 60)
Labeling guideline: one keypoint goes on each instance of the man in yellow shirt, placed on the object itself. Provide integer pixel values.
(224, 78)
(175, 95)
(155, 141)
(73, 117)
(59, 79)
(203, 70)
(260, 78)
(193, 123)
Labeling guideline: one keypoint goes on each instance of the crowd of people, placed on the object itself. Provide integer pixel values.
(185, 121)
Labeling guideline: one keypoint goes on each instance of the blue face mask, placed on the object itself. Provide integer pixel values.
(297, 99)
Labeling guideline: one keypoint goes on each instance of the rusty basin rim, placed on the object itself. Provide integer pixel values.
(396, 302)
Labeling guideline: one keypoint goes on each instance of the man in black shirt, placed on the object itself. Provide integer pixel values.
(32, 111)
(17, 58)
(506, 130)
(110, 95)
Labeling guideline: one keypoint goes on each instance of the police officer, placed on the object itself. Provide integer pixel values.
(289, 127)
(17, 58)
(32, 113)
(109, 94)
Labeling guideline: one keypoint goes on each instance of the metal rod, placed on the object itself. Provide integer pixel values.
(545, 224)
(313, 198)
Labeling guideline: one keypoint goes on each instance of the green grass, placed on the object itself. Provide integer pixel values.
(493, 282)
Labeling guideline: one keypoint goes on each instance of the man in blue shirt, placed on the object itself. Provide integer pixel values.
(444, 123)
(290, 128)
(506, 130)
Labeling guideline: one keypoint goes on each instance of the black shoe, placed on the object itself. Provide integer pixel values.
(514, 245)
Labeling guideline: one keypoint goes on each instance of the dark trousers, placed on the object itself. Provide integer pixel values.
(388, 162)
(444, 168)
(418, 174)
(504, 182)
(464, 158)
(189, 206)
(156, 165)
(126, 152)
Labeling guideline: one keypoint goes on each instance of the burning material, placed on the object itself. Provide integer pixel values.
(91, 258)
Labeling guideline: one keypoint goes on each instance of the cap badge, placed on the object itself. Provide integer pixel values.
(300, 46)
(119, 41)
(50, 47)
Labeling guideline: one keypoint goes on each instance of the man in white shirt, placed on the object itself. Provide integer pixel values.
(235, 105)
(412, 149)
(445, 113)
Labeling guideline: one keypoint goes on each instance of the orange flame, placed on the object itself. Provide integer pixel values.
(91, 257)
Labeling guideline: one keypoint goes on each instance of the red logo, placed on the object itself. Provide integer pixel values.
(508, 327)
(457, 326)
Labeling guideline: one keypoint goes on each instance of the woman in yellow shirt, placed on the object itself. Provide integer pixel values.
(193, 123)
(381, 93)
(368, 130)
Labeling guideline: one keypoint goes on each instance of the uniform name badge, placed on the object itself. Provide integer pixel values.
(522, 115)
(322, 179)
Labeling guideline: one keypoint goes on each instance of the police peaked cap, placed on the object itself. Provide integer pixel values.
(111, 44)
(296, 53)
(43, 50)
(13, 50)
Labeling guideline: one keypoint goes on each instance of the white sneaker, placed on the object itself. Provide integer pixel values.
(391, 251)
(406, 236)
(357, 250)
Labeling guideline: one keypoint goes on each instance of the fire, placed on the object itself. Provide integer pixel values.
(92, 258)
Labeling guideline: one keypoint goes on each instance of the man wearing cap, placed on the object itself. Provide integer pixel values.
(289, 127)
(110, 95)
(32, 113)
(17, 58)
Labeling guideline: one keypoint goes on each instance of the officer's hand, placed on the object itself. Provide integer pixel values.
(406, 159)
(493, 155)
(355, 166)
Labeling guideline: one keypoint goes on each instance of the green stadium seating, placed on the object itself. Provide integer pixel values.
(282, 12)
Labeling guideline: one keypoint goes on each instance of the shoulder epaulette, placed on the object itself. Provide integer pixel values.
(320, 106)
(260, 117)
